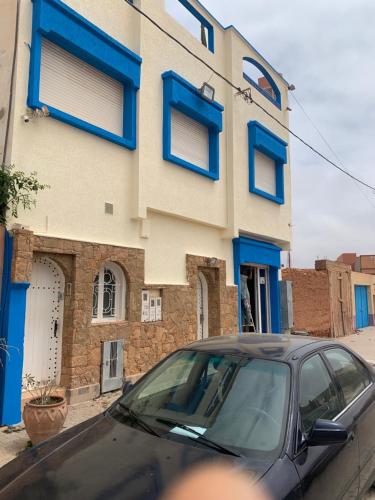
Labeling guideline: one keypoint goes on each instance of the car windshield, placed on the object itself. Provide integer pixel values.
(240, 403)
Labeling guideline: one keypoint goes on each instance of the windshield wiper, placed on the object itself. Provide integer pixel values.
(138, 419)
(200, 437)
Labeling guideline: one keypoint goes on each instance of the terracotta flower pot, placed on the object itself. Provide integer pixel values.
(44, 421)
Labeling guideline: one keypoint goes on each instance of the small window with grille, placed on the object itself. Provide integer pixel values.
(108, 300)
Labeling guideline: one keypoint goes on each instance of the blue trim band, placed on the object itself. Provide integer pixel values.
(183, 96)
(66, 28)
(202, 20)
(249, 251)
(271, 145)
(12, 327)
(277, 100)
(5, 286)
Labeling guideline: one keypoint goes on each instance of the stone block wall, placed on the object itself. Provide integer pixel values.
(145, 343)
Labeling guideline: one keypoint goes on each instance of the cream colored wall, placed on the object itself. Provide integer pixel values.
(366, 280)
(168, 235)
(159, 206)
(253, 214)
(8, 14)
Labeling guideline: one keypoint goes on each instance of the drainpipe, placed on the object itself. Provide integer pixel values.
(11, 87)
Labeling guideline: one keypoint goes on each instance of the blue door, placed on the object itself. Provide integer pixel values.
(361, 306)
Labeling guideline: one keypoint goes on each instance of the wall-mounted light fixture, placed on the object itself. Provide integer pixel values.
(207, 91)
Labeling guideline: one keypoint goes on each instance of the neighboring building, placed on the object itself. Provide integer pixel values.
(360, 263)
(363, 298)
(159, 200)
(322, 299)
(331, 300)
(350, 259)
(367, 264)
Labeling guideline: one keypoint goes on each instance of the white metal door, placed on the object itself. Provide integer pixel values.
(202, 307)
(44, 321)
(112, 365)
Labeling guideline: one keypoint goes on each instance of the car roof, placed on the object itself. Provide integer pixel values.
(267, 346)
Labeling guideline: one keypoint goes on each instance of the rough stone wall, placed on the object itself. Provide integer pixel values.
(145, 343)
(311, 300)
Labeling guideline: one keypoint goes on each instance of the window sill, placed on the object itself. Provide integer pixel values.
(276, 199)
(214, 176)
(87, 127)
(105, 322)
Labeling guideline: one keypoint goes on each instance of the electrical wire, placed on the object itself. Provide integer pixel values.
(328, 145)
(247, 96)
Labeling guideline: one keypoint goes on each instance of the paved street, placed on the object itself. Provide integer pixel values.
(363, 343)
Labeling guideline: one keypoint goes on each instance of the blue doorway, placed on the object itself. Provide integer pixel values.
(361, 306)
(264, 257)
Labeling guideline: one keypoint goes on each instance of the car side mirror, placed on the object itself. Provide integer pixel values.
(127, 387)
(325, 432)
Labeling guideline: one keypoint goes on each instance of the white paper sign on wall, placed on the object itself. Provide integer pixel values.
(158, 309)
(152, 309)
(145, 305)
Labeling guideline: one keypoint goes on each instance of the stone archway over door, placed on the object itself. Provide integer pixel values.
(44, 321)
(202, 306)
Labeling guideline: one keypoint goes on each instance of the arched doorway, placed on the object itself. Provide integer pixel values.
(44, 321)
(202, 306)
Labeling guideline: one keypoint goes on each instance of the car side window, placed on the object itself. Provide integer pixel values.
(318, 397)
(349, 372)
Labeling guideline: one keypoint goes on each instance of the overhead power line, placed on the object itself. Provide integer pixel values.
(247, 96)
(328, 145)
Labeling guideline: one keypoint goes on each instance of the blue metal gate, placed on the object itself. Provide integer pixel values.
(361, 306)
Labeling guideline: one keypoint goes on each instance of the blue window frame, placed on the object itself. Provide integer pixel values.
(61, 25)
(183, 96)
(203, 21)
(276, 98)
(265, 141)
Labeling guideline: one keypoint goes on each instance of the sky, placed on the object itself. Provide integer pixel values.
(327, 50)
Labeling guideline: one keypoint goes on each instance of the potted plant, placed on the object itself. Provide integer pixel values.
(45, 413)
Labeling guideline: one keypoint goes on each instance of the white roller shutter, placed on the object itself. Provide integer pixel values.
(78, 89)
(265, 173)
(190, 140)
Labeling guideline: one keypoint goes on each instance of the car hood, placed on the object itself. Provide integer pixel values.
(105, 459)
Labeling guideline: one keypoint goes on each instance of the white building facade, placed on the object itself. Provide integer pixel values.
(161, 201)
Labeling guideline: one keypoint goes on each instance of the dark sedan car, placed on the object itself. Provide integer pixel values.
(297, 412)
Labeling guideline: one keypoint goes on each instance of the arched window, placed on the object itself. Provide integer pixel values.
(108, 298)
(258, 77)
